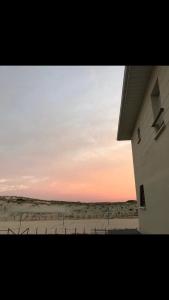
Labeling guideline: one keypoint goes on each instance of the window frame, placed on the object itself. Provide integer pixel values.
(142, 201)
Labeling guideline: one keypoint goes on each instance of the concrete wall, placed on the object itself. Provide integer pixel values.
(151, 159)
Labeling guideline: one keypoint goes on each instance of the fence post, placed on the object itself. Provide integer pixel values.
(20, 224)
(46, 230)
(84, 231)
(65, 230)
(36, 230)
(55, 230)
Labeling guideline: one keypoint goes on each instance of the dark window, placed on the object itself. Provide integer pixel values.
(142, 196)
(156, 107)
(138, 136)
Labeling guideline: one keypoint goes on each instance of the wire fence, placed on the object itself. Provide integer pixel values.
(65, 231)
(47, 230)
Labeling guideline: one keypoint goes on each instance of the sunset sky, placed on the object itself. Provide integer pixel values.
(58, 128)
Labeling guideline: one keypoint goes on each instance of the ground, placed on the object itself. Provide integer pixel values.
(90, 226)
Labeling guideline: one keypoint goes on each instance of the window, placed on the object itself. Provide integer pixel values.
(157, 108)
(138, 135)
(142, 196)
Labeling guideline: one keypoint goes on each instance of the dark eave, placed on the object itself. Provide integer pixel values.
(134, 86)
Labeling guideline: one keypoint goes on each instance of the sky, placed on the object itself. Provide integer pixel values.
(58, 129)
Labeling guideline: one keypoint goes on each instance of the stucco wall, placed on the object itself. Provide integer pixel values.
(151, 159)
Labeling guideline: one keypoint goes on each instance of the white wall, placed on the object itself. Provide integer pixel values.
(151, 159)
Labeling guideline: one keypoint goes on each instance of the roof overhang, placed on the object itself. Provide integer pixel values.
(134, 85)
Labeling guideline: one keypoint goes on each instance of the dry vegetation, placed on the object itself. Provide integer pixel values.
(14, 208)
(33, 216)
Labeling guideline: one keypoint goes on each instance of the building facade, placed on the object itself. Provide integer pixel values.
(144, 119)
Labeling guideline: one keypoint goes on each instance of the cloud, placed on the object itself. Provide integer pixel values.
(8, 188)
(38, 180)
(34, 179)
(3, 180)
(20, 183)
(28, 177)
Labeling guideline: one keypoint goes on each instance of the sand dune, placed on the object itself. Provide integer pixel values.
(16, 208)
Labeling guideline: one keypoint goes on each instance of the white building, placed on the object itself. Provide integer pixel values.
(144, 119)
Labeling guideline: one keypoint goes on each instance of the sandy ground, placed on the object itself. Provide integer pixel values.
(67, 226)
